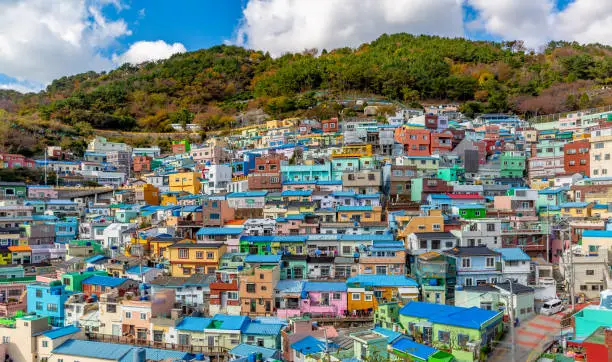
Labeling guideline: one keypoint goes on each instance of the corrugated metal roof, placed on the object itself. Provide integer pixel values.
(195, 324)
(245, 350)
(105, 281)
(220, 231)
(265, 329)
(325, 287)
(290, 286)
(382, 280)
(512, 254)
(412, 348)
(262, 258)
(228, 322)
(61, 332)
(472, 317)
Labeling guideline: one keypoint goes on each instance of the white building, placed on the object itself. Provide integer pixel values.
(480, 232)
(118, 234)
(516, 265)
(259, 227)
(217, 178)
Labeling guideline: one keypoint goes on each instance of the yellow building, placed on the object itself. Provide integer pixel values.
(169, 198)
(359, 213)
(431, 222)
(185, 182)
(187, 259)
(601, 148)
(353, 151)
(158, 246)
(150, 194)
(5, 256)
(576, 209)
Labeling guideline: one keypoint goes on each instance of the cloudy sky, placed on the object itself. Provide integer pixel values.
(41, 40)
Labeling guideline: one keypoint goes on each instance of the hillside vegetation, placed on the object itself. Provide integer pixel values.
(211, 86)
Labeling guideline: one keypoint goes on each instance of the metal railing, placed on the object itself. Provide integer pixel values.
(132, 340)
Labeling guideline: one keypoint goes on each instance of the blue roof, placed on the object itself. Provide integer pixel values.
(61, 332)
(391, 335)
(267, 329)
(368, 196)
(439, 197)
(138, 270)
(472, 318)
(600, 206)
(275, 238)
(115, 351)
(343, 194)
(95, 258)
(195, 324)
(325, 287)
(382, 280)
(230, 322)
(247, 194)
(412, 348)
(253, 258)
(191, 208)
(597, 233)
(220, 231)
(105, 281)
(310, 345)
(353, 208)
(288, 193)
(290, 286)
(470, 206)
(513, 254)
(245, 350)
(574, 204)
(385, 245)
(552, 191)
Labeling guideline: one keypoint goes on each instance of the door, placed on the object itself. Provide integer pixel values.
(253, 306)
(223, 299)
(116, 329)
(211, 341)
(183, 339)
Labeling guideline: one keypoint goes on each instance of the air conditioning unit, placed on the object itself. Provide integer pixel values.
(179, 265)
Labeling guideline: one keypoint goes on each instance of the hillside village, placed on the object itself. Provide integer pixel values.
(420, 236)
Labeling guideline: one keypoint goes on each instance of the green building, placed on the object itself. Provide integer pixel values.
(73, 281)
(451, 173)
(590, 318)
(387, 315)
(13, 189)
(512, 164)
(232, 260)
(437, 276)
(293, 267)
(462, 331)
(370, 345)
(470, 211)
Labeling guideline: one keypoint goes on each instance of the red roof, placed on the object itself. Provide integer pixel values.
(465, 196)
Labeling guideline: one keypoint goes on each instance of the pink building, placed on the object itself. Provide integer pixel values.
(324, 299)
(42, 192)
(137, 314)
(296, 225)
(9, 160)
(12, 299)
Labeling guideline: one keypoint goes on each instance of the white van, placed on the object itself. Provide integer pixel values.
(551, 307)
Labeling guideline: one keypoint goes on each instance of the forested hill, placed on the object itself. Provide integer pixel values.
(212, 85)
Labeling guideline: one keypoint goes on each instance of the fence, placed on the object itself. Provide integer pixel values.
(131, 340)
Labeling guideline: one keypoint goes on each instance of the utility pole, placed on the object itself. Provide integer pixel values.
(572, 296)
(511, 316)
(547, 232)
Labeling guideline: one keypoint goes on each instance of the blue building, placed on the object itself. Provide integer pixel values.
(66, 230)
(47, 300)
(476, 265)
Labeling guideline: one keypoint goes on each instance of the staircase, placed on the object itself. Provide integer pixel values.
(559, 280)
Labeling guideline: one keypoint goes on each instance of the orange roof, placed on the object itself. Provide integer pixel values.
(235, 222)
(19, 248)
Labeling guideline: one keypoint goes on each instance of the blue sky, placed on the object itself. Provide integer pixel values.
(43, 40)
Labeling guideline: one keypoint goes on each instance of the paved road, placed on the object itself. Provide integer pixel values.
(531, 338)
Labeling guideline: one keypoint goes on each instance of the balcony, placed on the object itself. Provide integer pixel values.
(524, 231)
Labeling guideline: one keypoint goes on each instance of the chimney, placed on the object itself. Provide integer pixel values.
(139, 355)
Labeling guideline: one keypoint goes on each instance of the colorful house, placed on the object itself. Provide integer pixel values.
(47, 300)
(470, 211)
(324, 299)
(189, 258)
(359, 213)
(463, 331)
(365, 292)
(185, 182)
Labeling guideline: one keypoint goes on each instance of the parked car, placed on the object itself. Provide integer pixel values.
(552, 306)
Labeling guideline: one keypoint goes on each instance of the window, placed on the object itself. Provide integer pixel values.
(143, 316)
(381, 270)
(7, 339)
(436, 227)
(45, 344)
(210, 255)
(449, 244)
(187, 271)
(183, 253)
(337, 296)
(590, 272)
(355, 296)
(128, 314)
(490, 227)
(466, 262)
(490, 262)
(111, 308)
(199, 255)
(583, 287)
(422, 244)
(214, 216)
(444, 336)
(52, 307)
(346, 250)
(39, 305)
(250, 288)
(38, 293)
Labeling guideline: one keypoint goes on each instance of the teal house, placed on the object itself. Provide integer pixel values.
(451, 173)
(13, 190)
(293, 267)
(262, 334)
(372, 344)
(552, 196)
(512, 164)
(462, 331)
(304, 173)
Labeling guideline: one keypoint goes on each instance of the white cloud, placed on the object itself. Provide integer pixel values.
(279, 26)
(41, 40)
(143, 51)
(23, 88)
(538, 21)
